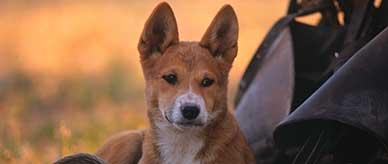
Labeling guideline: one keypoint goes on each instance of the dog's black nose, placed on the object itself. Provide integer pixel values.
(190, 112)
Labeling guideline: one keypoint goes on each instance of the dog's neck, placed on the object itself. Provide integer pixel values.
(178, 145)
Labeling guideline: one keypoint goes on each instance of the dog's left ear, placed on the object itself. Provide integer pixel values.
(222, 34)
(160, 31)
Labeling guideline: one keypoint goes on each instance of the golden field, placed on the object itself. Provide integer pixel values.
(69, 70)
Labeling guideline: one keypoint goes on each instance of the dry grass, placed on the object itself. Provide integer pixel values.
(69, 71)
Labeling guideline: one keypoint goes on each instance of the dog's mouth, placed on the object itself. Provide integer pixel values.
(184, 124)
(190, 124)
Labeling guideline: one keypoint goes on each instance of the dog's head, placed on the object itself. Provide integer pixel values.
(186, 82)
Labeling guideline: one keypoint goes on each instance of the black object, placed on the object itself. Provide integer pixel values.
(351, 109)
(80, 158)
(293, 62)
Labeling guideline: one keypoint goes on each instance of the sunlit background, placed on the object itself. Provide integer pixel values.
(70, 74)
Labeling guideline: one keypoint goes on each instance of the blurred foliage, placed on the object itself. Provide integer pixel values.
(78, 114)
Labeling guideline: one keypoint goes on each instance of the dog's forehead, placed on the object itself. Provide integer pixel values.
(189, 54)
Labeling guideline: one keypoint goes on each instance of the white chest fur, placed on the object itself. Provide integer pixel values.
(179, 148)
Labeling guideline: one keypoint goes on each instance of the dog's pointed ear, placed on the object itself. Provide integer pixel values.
(160, 31)
(222, 34)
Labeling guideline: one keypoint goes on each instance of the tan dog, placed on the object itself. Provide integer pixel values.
(186, 93)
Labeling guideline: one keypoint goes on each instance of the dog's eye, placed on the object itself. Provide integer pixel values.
(206, 82)
(170, 78)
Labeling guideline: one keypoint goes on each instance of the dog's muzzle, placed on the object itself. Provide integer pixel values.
(188, 110)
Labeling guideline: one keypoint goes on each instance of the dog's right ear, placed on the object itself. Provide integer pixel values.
(221, 36)
(160, 31)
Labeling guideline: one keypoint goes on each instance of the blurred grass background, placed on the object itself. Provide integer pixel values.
(69, 70)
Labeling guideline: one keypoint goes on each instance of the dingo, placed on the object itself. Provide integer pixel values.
(186, 93)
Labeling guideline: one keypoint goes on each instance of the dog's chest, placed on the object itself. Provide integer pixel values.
(179, 148)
